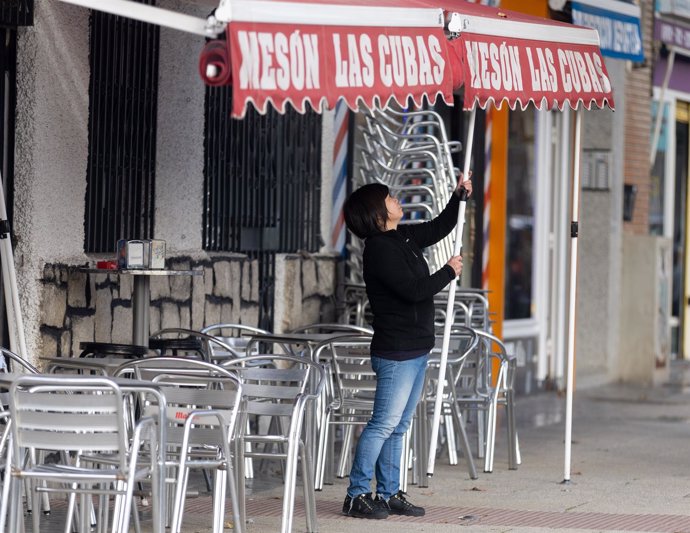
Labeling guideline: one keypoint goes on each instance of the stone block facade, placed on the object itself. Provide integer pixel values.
(80, 306)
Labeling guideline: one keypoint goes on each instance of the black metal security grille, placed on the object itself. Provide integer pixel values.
(122, 131)
(16, 12)
(262, 177)
(262, 180)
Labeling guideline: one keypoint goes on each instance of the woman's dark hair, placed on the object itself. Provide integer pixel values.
(365, 210)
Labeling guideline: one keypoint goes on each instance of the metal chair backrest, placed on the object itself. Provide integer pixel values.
(333, 328)
(8, 361)
(207, 343)
(353, 376)
(190, 386)
(463, 344)
(235, 335)
(278, 385)
(68, 414)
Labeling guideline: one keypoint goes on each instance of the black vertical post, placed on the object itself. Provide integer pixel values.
(479, 158)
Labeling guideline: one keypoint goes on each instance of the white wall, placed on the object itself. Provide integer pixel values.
(180, 150)
(51, 148)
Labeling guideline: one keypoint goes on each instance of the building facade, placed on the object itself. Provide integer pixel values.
(113, 135)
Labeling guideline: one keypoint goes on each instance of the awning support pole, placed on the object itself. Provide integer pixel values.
(9, 283)
(451, 304)
(661, 105)
(572, 296)
(154, 15)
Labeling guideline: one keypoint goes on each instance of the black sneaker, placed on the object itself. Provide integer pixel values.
(398, 504)
(364, 506)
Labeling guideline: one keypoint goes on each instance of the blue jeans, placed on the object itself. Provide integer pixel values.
(398, 390)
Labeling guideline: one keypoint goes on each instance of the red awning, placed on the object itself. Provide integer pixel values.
(518, 59)
(370, 52)
(318, 52)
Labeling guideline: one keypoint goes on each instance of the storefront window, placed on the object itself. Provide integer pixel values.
(656, 193)
(520, 214)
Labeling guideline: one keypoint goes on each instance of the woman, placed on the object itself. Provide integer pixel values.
(400, 289)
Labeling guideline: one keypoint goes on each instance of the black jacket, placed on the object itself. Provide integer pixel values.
(399, 286)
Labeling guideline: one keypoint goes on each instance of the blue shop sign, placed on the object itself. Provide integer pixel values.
(618, 24)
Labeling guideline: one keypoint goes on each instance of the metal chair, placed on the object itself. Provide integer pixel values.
(355, 309)
(463, 342)
(281, 387)
(333, 328)
(9, 362)
(74, 416)
(479, 390)
(502, 394)
(104, 349)
(188, 342)
(202, 401)
(235, 335)
(349, 400)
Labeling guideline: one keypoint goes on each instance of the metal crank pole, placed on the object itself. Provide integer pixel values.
(438, 402)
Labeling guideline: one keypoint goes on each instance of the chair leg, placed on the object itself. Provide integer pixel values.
(240, 475)
(15, 517)
(345, 451)
(232, 480)
(117, 521)
(135, 516)
(207, 480)
(422, 445)
(450, 439)
(84, 513)
(465, 442)
(514, 448)
(178, 499)
(7, 482)
(45, 503)
(71, 508)
(219, 486)
(321, 451)
(36, 503)
(128, 497)
(309, 496)
(330, 455)
(491, 434)
(512, 432)
(488, 462)
(290, 481)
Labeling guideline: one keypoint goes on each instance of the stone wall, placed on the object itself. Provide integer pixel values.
(305, 290)
(78, 306)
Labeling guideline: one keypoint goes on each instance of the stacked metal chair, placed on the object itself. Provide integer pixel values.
(487, 377)
(411, 154)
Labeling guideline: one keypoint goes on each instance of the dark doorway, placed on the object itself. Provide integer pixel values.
(8, 99)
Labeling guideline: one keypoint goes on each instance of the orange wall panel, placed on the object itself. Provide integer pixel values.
(497, 236)
(538, 8)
